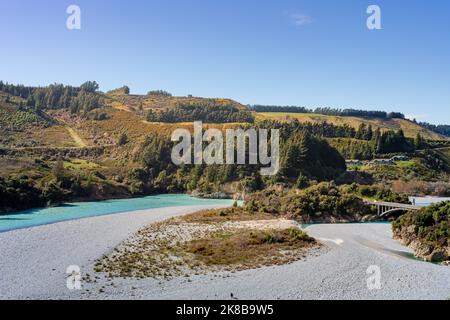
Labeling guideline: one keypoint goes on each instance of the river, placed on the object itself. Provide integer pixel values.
(73, 211)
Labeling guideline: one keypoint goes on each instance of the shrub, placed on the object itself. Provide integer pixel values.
(123, 139)
(322, 202)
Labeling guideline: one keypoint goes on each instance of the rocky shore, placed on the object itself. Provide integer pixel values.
(422, 250)
(427, 232)
(218, 195)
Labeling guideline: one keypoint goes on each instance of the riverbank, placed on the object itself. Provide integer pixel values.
(34, 262)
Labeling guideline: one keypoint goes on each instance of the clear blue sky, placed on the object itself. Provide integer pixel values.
(285, 52)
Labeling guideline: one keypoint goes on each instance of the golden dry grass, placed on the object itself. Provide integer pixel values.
(135, 102)
(249, 248)
(76, 138)
(54, 136)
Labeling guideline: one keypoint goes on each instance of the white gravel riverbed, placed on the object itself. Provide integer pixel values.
(33, 265)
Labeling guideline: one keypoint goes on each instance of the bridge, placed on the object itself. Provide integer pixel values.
(386, 208)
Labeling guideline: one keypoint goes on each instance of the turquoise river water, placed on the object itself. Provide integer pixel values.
(72, 211)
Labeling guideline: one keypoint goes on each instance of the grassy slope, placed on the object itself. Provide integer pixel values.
(128, 112)
(125, 116)
(25, 128)
(121, 101)
(410, 128)
(132, 103)
(445, 153)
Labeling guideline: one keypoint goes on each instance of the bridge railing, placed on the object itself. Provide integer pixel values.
(384, 206)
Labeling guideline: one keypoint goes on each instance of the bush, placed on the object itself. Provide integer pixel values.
(322, 202)
(123, 139)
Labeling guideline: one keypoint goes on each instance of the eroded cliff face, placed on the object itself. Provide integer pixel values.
(423, 249)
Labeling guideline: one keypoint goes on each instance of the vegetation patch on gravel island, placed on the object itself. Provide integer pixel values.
(208, 241)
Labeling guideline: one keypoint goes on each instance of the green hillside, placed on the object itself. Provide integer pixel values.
(63, 143)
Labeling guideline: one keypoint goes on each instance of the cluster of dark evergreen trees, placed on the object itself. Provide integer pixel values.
(322, 129)
(330, 111)
(329, 130)
(207, 112)
(79, 100)
(303, 156)
(287, 109)
(375, 141)
(160, 93)
(441, 129)
(20, 193)
(391, 142)
(381, 143)
(365, 132)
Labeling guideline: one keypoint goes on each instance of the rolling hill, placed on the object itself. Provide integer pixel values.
(125, 113)
(120, 112)
(140, 104)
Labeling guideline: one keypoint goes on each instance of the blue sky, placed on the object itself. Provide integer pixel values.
(285, 52)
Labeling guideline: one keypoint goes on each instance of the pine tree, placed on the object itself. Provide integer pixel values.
(295, 154)
(360, 134)
(377, 144)
(302, 182)
(418, 142)
(369, 134)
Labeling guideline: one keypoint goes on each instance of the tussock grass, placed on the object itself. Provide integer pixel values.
(207, 241)
(249, 247)
(221, 215)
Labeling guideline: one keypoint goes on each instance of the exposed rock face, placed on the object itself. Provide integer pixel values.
(213, 195)
(427, 231)
(228, 191)
(422, 250)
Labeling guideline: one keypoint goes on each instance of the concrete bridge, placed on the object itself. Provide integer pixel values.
(386, 208)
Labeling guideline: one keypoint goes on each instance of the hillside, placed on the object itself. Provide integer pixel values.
(410, 128)
(445, 154)
(156, 102)
(160, 106)
(61, 143)
(142, 104)
(92, 119)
